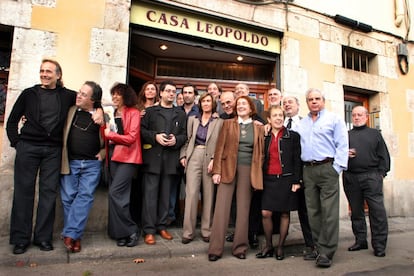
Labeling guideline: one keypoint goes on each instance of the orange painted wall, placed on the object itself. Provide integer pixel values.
(73, 36)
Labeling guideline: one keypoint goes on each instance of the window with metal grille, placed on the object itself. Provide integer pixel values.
(357, 60)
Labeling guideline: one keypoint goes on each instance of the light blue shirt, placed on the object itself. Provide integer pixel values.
(325, 137)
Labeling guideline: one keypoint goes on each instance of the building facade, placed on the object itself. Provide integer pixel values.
(354, 56)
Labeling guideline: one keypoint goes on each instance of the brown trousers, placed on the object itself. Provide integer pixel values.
(222, 213)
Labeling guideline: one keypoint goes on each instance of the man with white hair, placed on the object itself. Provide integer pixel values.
(274, 96)
(324, 143)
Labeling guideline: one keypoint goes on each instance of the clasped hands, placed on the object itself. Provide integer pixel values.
(166, 140)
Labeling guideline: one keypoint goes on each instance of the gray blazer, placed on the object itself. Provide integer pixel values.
(212, 135)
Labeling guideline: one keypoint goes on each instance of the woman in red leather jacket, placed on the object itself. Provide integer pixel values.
(124, 155)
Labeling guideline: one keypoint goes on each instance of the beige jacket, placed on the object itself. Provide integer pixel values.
(65, 156)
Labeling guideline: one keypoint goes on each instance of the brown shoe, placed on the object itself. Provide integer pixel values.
(149, 239)
(165, 235)
(68, 242)
(76, 246)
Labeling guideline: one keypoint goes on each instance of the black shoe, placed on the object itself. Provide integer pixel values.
(121, 242)
(186, 241)
(20, 248)
(253, 241)
(205, 239)
(230, 237)
(132, 240)
(358, 246)
(213, 258)
(311, 256)
(379, 253)
(323, 261)
(280, 255)
(265, 253)
(44, 245)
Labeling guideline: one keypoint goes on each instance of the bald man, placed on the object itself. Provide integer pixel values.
(368, 164)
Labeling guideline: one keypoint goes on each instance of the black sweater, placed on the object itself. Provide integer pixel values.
(28, 104)
(371, 151)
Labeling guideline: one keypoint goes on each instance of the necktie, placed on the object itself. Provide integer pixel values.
(289, 124)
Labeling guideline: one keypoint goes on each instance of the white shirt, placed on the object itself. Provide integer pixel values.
(295, 121)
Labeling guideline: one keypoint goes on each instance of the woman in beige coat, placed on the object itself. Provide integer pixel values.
(197, 159)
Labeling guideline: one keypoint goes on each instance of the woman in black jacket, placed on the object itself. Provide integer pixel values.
(282, 175)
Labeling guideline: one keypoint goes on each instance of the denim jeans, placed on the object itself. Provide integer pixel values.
(77, 189)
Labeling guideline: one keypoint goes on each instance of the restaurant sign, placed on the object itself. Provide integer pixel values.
(208, 28)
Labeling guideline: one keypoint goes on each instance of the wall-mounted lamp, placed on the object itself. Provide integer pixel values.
(353, 23)
(239, 58)
(163, 47)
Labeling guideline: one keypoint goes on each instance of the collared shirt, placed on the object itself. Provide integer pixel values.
(295, 121)
(275, 164)
(326, 137)
(245, 122)
(201, 135)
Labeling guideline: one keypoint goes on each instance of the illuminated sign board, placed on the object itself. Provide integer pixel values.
(191, 24)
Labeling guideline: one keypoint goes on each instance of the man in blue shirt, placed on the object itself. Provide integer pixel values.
(324, 143)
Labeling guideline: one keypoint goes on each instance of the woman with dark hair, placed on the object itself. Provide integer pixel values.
(197, 159)
(148, 96)
(124, 155)
(282, 175)
(238, 160)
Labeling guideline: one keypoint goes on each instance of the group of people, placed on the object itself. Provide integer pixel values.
(230, 152)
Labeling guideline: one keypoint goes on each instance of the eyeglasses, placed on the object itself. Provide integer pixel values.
(79, 127)
(170, 90)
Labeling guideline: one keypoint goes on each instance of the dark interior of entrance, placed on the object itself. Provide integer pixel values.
(6, 38)
(157, 56)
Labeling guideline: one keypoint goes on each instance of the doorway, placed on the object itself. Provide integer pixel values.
(157, 57)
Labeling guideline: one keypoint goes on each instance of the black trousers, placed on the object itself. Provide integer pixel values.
(31, 159)
(367, 186)
(156, 201)
(303, 219)
(120, 222)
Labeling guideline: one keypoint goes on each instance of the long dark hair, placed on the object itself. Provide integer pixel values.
(141, 95)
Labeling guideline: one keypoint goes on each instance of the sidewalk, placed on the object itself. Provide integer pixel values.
(98, 246)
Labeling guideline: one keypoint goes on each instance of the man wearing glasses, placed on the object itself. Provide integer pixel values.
(38, 147)
(163, 132)
(82, 154)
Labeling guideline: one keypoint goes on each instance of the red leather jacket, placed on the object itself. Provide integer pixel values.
(128, 146)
